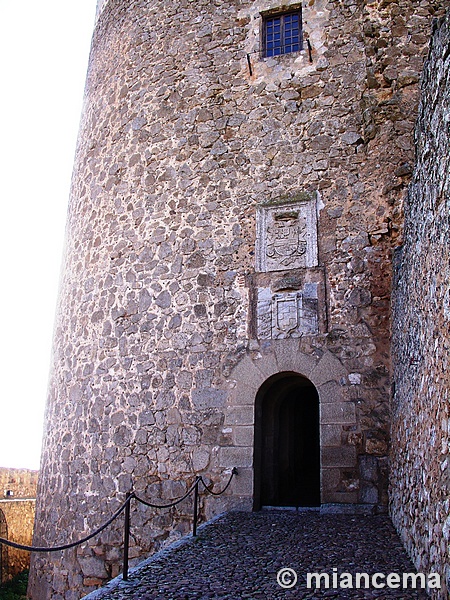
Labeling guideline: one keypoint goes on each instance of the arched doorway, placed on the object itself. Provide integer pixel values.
(3, 548)
(287, 443)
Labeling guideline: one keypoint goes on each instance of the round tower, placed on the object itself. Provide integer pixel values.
(225, 289)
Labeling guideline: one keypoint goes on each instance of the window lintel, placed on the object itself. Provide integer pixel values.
(282, 9)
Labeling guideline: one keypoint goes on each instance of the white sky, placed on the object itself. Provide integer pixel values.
(44, 48)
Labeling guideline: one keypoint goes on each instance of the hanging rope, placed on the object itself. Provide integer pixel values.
(126, 503)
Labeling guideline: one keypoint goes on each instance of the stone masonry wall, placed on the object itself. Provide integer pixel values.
(180, 297)
(17, 503)
(19, 515)
(420, 482)
(18, 483)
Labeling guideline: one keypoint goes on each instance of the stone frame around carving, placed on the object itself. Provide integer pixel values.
(286, 234)
(300, 313)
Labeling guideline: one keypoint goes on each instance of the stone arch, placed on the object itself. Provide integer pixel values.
(287, 443)
(325, 372)
(3, 548)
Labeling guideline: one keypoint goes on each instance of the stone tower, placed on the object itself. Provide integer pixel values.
(237, 193)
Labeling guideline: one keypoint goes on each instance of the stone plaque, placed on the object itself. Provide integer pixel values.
(286, 235)
(287, 314)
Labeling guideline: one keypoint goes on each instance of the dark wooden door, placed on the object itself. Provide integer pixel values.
(289, 444)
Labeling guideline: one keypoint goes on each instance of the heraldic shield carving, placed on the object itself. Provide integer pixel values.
(287, 235)
(283, 315)
(286, 238)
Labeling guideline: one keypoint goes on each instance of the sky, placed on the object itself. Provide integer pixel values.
(44, 50)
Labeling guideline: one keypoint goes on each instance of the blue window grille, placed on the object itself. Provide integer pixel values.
(282, 34)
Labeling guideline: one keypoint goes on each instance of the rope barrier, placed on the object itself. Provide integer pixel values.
(126, 507)
(174, 503)
(233, 473)
(72, 544)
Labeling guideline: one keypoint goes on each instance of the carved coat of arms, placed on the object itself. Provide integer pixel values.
(286, 312)
(285, 234)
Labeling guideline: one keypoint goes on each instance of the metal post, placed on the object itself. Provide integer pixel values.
(308, 43)
(249, 62)
(126, 537)
(194, 528)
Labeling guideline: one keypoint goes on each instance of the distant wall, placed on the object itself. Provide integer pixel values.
(19, 516)
(20, 483)
(420, 483)
(17, 503)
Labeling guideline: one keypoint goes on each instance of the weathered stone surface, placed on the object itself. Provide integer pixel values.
(419, 479)
(19, 517)
(17, 510)
(240, 415)
(328, 369)
(239, 457)
(288, 314)
(243, 436)
(93, 567)
(339, 457)
(181, 144)
(202, 399)
(286, 234)
(331, 434)
(18, 483)
(338, 412)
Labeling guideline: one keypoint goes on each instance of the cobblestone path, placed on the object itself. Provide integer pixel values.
(239, 555)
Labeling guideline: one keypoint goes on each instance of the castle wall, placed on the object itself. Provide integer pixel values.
(197, 160)
(18, 483)
(17, 504)
(100, 6)
(19, 515)
(420, 483)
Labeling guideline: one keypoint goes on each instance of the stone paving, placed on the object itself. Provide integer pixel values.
(239, 555)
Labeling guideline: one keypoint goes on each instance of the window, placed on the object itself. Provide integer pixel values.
(282, 33)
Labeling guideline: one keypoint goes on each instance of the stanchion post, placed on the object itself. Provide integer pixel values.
(126, 537)
(194, 527)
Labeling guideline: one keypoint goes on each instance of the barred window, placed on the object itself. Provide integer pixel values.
(282, 33)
